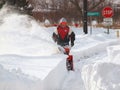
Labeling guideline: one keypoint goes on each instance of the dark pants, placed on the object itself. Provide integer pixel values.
(63, 44)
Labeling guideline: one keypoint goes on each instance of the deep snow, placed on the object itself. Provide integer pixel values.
(30, 60)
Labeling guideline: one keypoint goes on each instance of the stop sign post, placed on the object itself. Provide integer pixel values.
(107, 13)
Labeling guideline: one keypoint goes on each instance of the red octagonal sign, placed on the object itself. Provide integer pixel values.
(107, 12)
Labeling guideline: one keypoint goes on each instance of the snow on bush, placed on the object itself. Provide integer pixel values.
(47, 23)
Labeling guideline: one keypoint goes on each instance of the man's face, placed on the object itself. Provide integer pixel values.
(63, 24)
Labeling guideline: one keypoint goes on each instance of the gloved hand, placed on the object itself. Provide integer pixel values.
(72, 44)
(55, 37)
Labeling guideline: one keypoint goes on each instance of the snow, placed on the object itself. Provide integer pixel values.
(30, 60)
(102, 76)
(24, 33)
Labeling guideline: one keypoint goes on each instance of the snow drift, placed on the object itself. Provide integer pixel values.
(103, 75)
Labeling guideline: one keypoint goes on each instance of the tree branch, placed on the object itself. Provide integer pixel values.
(97, 4)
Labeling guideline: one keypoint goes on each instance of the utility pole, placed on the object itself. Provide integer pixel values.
(85, 28)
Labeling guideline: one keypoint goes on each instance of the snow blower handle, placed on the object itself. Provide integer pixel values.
(65, 49)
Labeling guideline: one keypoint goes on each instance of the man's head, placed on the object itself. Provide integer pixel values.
(63, 22)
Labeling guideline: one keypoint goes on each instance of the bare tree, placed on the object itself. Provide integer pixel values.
(21, 5)
(70, 9)
(2, 2)
(92, 4)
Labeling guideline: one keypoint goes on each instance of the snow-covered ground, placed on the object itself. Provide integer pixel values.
(30, 60)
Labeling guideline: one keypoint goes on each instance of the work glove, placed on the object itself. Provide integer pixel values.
(55, 37)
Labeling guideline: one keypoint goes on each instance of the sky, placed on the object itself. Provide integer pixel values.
(30, 60)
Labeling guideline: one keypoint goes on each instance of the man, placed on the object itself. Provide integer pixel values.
(63, 35)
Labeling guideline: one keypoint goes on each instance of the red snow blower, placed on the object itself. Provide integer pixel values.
(69, 59)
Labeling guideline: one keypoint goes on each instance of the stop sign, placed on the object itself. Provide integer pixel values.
(107, 12)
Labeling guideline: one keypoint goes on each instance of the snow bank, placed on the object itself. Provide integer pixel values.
(28, 74)
(55, 79)
(114, 54)
(101, 76)
(104, 75)
(16, 80)
(35, 67)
